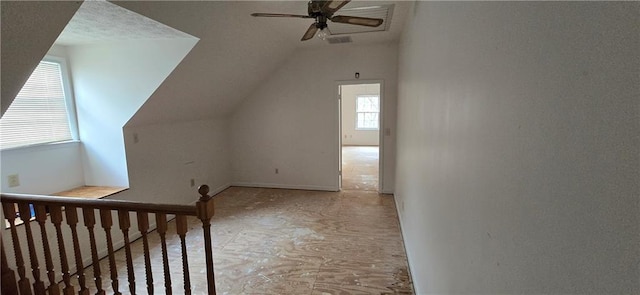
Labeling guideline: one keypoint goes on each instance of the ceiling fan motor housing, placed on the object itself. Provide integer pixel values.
(315, 8)
(321, 22)
(321, 15)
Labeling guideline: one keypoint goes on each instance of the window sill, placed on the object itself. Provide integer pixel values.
(42, 146)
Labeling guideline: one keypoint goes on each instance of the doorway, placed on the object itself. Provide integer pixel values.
(360, 123)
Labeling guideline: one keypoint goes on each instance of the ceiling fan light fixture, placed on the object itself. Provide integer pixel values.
(323, 34)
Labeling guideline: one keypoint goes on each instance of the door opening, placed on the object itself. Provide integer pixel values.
(360, 120)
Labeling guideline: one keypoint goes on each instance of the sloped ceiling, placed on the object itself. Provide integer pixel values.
(235, 54)
(100, 21)
(28, 30)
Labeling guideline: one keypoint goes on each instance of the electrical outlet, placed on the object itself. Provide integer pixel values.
(277, 171)
(14, 180)
(193, 182)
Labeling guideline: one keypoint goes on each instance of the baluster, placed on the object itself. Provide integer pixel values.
(72, 220)
(25, 215)
(105, 219)
(181, 229)
(161, 222)
(90, 222)
(56, 218)
(8, 277)
(204, 211)
(41, 218)
(143, 226)
(125, 223)
(10, 215)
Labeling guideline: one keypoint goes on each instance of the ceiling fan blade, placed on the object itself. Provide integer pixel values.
(310, 32)
(333, 5)
(356, 20)
(279, 15)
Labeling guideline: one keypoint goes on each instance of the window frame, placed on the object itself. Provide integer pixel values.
(69, 98)
(378, 112)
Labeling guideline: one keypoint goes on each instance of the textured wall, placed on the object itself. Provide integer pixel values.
(111, 82)
(518, 163)
(291, 121)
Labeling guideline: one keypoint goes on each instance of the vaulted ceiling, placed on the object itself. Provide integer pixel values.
(235, 54)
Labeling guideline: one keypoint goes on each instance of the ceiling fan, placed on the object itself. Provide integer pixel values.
(323, 10)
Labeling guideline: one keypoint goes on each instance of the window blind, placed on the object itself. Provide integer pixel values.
(39, 113)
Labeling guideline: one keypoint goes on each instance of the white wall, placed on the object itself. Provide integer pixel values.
(518, 164)
(39, 167)
(291, 121)
(167, 156)
(161, 165)
(350, 135)
(43, 169)
(111, 82)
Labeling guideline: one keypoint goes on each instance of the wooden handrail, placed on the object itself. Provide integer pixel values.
(38, 206)
(106, 204)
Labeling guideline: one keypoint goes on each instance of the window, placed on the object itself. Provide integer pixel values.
(367, 112)
(40, 113)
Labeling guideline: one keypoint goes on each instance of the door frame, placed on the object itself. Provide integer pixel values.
(338, 111)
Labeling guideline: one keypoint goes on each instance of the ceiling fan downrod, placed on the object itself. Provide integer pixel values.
(321, 22)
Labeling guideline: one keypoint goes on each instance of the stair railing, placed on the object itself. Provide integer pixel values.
(52, 208)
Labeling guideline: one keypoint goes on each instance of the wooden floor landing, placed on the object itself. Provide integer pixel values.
(91, 192)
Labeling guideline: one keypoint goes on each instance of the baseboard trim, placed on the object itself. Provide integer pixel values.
(219, 189)
(284, 186)
(404, 244)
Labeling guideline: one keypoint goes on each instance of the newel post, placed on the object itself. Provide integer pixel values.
(204, 211)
